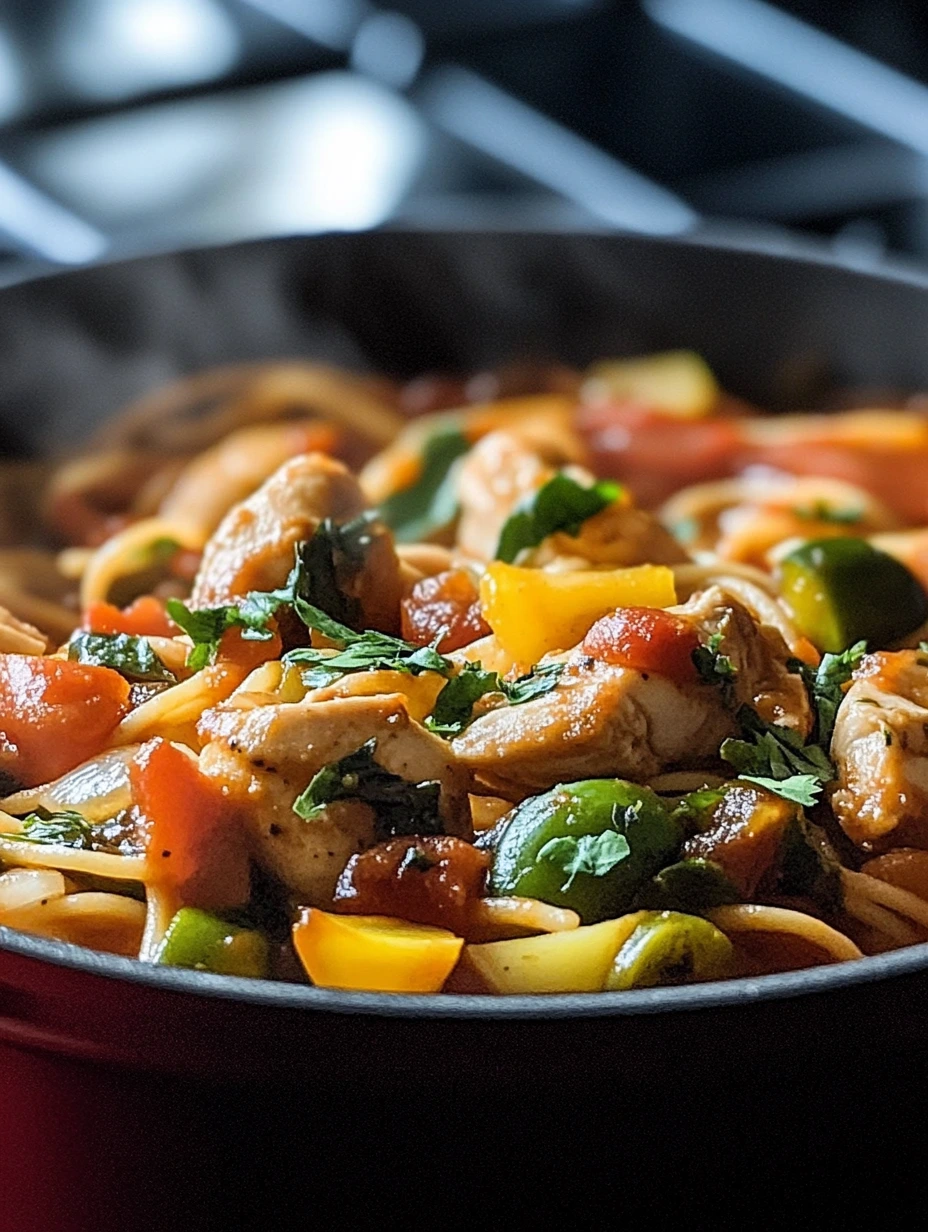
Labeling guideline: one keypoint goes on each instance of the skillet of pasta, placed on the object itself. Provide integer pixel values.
(545, 681)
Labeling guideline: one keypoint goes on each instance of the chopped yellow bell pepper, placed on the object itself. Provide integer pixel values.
(578, 960)
(373, 952)
(533, 612)
(679, 383)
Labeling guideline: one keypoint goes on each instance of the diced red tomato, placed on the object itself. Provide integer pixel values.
(654, 454)
(433, 879)
(645, 639)
(447, 601)
(146, 617)
(55, 714)
(196, 845)
(895, 473)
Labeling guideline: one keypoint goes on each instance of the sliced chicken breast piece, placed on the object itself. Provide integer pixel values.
(880, 748)
(598, 722)
(604, 720)
(494, 477)
(253, 549)
(759, 656)
(503, 468)
(264, 757)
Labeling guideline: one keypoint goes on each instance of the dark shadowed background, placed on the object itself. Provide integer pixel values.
(127, 125)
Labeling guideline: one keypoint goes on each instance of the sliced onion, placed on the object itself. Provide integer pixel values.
(21, 887)
(160, 906)
(98, 789)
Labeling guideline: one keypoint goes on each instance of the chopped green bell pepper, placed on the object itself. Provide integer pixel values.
(692, 885)
(671, 948)
(588, 846)
(197, 939)
(844, 590)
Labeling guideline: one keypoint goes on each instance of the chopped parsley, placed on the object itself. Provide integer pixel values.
(826, 687)
(313, 580)
(714, 667)
(540, 680)
(205, 626)
(369, 651)
(455, 704)
(593, 854)
(133, 657)
(66, 829)
(776, 758)
(400, 807)
(800, 788)
(561, 504)
(431, 503)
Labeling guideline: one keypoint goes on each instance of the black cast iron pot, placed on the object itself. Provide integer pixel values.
(126, 1090)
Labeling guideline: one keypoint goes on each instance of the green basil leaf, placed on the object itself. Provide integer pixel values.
(131, 656)
(561, 504)
(430, 504)
(400, 807)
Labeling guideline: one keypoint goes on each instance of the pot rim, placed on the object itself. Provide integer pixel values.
(279, 995)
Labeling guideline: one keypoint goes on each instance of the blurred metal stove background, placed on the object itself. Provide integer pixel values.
(128, 125)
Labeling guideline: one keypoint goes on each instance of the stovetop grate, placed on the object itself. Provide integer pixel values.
(131, 124)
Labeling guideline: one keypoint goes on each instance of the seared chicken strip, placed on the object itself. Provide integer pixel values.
(603, 720)
(498, 472)
(880, 747)
(759, 656)
(228, 472)
(253, 548)
(598, 722)
(264, 757)
(503, 468)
